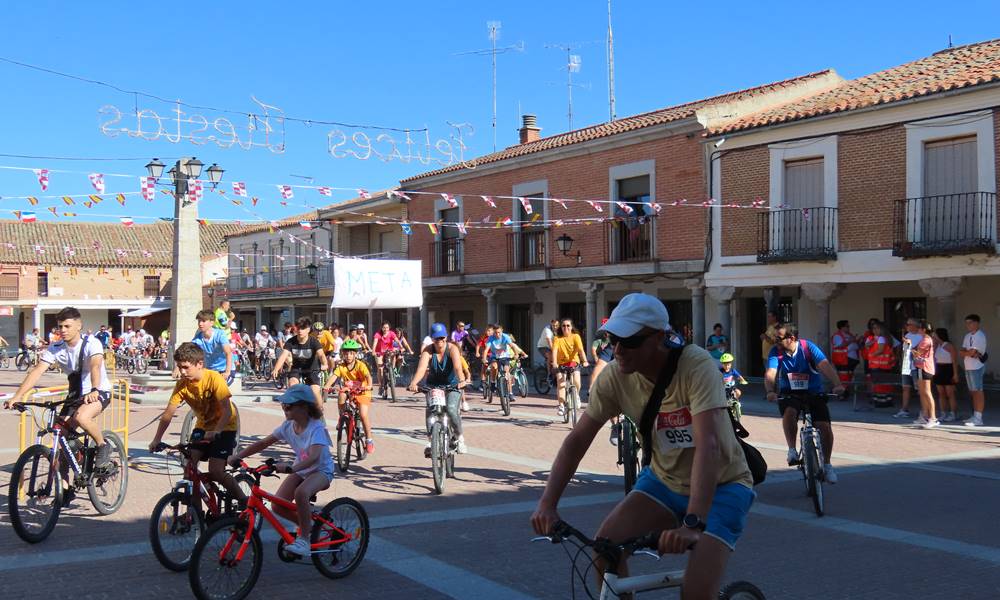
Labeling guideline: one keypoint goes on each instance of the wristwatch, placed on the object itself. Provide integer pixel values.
(693, 521)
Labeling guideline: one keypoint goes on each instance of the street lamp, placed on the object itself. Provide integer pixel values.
(215, 174)
(192, 168)
(312, 268)
(565, 244)
(155, 168)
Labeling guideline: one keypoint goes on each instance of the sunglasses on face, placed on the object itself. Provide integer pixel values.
(631, 342)
(567, 324)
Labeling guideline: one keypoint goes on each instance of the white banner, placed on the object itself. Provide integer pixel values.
(373, 283)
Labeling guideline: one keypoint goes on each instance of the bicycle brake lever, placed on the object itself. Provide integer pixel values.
(544, 538)
(647, 553)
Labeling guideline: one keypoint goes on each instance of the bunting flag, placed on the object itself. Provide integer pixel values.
(69, 214)
(489, 201)
(254, 200)
(406, 228)
(195, 190)
(461, 228)
(433, 228)
(654, 206)
(595, 206)
(147, 185)
(237, 202)
(362, 193)
(53, 210)
(558, 223)
(306, 224)
(68, 200)
(498, 225)
(95, 198)
(121, 199)
(120, 253)
(88, 203)
(536, 217)
(26, 216)
(526, 204)
(69, 251)
(97, 246)
(560, 203)
(127, 221)
(324, 191)
(450, 200)
(43, 178)
(202, 222)
(625, 207)
(286, 191)
(507, 221)
(32, 200)
(240, 188)
(147, 254)
(97, 180)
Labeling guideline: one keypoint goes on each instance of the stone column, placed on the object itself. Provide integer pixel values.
(724, 296)
(697, 287)
(491, 305)
(771, 297)
(37, 320)
(425, 327)
(821, 294)
(944, 290)
(185, 280)
(590, 289)
(259, 317)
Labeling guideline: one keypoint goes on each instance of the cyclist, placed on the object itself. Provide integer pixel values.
(403, 344)
(206, 392)
(793, 370)
(566, 348)
(104, 336)
(82, 359)
(459, 334)
(326, 339)
(442, 363)
(165, 339)
(221, 316)
(312, 470)
(731, 378)
(481, 354)
(385, 341)
(544, 343)
(215, 344)
(305, 356)
(263, 342)
(362, 338)
(501, 348)
(355, 372)
(695, 484)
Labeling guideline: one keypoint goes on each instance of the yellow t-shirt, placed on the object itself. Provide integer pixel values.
(767, 344)
(359, 373)
(205, 397)
(696, 388)
(567, 348)
(327, 342)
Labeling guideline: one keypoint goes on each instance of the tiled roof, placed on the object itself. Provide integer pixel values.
(623, 125)
(951, 69)
(53, 237)
(283, 222)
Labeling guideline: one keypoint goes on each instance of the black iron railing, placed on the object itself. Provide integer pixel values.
(797, 234)
(631, 239)
(945, 225)
(281, 281)
(9, 287)
(447, 256)
(526, 249)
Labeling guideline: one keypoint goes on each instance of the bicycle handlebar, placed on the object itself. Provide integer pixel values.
(447, 388)
(563, 530)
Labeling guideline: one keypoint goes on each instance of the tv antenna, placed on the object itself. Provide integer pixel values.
(611, 68)
(493, 31)
(573, 64)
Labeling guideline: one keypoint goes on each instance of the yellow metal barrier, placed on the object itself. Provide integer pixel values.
(113, 418)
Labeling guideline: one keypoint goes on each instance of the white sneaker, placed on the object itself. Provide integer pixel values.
(902, 414)
(920, 420)
(829, 475)
(948, 418)
(561, 410)
(299, 547)
(461, 449)
(931, 424)
(465, 405)
(974, 422)
(793, 457)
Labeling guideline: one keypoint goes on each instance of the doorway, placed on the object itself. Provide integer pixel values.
(898, 310)
(518, 324)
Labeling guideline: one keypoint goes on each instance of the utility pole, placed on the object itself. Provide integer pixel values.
(573, 64)
(493, 30)
(611, 67)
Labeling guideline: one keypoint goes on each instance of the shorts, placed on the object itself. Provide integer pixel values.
(816, 403)
(727, 517)
(69, 409)
(221, 446)
(974, 379)
(909, 378)
(305, 376)
(944, 374)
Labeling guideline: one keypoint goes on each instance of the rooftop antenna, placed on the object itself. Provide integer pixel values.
(493, 31)
(611, 67)
(573, 64)
(950, 45)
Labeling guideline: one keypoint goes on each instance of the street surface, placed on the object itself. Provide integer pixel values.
(912, 517)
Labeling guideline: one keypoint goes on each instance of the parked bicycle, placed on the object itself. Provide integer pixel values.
(810, 461)
(42, 483)
(228, 558)
(350, 431)
(572, 405)
(614, 555)
(443, 444)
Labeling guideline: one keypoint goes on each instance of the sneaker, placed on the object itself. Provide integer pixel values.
(103, 455)
(829, 474)
(931, 424)
(427, 450)
(461, 447)
(299, 547)
(465, 405)
(69, 494)
(948, 418)
(793, 457)
(974, 422)
(902, 414)
(370, 447)
(561, 410)
(616, 431)
(920, 420)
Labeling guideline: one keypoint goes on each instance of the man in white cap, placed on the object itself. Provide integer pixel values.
(695, 484)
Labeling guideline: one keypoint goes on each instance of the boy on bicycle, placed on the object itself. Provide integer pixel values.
(731, 378)
(206, 392)
(354, 372)
(82, 359)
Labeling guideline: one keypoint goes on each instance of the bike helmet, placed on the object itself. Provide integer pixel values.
(438, 330)
(726, 358)
(350, 345)
(360, 327)
(318, 325)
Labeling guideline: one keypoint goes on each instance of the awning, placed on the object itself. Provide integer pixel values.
(143, 312)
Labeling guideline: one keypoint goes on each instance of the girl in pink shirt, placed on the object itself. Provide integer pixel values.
(923, 370)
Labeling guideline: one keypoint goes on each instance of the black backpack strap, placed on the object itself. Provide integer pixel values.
(653, 404)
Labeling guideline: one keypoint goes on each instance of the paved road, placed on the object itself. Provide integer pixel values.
(913, 516)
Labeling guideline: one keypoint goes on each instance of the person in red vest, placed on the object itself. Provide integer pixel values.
(844, 348)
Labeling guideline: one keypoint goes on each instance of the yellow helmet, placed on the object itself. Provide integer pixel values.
(726, 358)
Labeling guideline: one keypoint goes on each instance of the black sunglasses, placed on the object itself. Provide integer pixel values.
(632, 342)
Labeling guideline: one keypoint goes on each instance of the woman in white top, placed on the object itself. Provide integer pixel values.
(945, 374)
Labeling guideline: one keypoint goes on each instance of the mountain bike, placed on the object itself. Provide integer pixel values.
(614, 555)
(350, 431)
(228, 558)
(36, 494)
(443, 444)
(187, 428)
(490, 384)
(572, 404)
(542, 379)
(810, 462)
(628, 451)
(141, 362)
(519, 377)
(179, 518)
(387, 387)
(4, 358)
(501, 383)
(25, 359)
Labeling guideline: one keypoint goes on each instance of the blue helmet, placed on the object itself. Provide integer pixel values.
(438, 330)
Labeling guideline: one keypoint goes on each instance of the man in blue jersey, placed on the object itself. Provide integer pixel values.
(215, 343)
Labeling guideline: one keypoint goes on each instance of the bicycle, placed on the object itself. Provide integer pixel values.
(572, 398)
(4, 358)
(499, 382)
(443, 445)
(628, 451)
(614, 586)
(810, 461)
(36, 496)
(228, 558)
(187, 428)
(178, 518)
(350, 431)
(542, 379)
(387, 387)
(25, 359)
(519, 377)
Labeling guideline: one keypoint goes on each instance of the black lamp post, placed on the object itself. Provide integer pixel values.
(565, 244)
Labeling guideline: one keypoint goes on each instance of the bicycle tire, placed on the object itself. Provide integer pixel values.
(485, 382)
(438, 449)
(21, 362)
(360, 443)
(392, 383)
(210, 552)
(360, 533)
(741, 590)
(504, 397)
(488, 390)
(141, 365)
(522, 383)
(573, 398)
(97, 482)
(628, 454)
(542, 383)
(814, 484)
(175, 523)
(32, 456)
(449, 467)
(130, 366)
(344, 432)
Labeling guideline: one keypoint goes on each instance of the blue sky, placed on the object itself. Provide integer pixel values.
(394, 64)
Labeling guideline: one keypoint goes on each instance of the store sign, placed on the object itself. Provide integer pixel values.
(372, 283)
(6, 311)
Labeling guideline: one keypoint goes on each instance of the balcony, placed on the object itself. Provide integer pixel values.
(447, 256)
(287, 281)
(797, 234)
(8, 287)
(526, 249)
(945, 225)
(631, 239)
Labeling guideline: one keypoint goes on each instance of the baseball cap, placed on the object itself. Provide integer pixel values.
(299, 392)
(361, 326)
(634, 312)
(263, 327)
(438, 330)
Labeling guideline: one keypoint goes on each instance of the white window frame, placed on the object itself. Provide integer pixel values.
(780, 153)
(627, 171)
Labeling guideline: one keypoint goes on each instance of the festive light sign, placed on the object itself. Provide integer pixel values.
(360, 283)
(387, 148)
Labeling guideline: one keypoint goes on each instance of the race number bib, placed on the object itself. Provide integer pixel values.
(437, 397)
(798, 381)
(674, 430)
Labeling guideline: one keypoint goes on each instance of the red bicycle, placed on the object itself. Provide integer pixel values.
(350, 431)
(228, 558)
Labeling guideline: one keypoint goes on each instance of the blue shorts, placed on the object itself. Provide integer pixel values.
(727, 517)
(974, 379)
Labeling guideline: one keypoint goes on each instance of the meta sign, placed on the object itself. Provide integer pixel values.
(374, 283)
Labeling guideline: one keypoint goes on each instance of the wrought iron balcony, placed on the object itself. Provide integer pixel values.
(285, 281)
(631, 239)
(447, 255)
(945, 225)
(526, 249)
(797, 234)
(9, 289)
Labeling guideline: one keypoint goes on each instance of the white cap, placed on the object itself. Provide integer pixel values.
(263, 327)
(142, 331)
(634, 312)
(361, 325)
(233, 325)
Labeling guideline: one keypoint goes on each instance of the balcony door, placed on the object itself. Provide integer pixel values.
(449, 257)
(799, 227)
(529, 236)
(950, 209)
(632, 237)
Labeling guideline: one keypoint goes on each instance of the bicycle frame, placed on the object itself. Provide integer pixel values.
(206, 492)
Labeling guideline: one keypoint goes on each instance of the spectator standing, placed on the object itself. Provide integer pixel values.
(717, 343)
(912, 336)
(844, 348)
(945, 374)
(104, 336)
(767, 339)
(222, 316)
(974, 354)
(923, 374)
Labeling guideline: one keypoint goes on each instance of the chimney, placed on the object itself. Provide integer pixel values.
(529, 129)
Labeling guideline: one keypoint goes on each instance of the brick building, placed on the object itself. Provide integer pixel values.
(881, 202)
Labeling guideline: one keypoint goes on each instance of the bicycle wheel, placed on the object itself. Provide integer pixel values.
(504, 397)
(174, 528)
(22, 362)
(344, 433)
(628, 454)
(485, 382)
(522, 383)
(107, 486)
(281, 380)
(141, 364)
(34, 496)
(573, 398)
(391, 372)
(187, 427)
(741, 590)
(814, 484)
(349, 517)
(130, 366)
(449, 465)
(438, 440)
(542, 383)
(216, 570)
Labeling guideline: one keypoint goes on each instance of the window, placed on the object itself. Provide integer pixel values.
(8, 286)
(634, 191)
(950, 207)
(898, 310)
(804, 183)
(632, 237)
(449, 249)
(43, 283)
(151, 285)
(801, 225)
(449, 215)
(950, 167)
